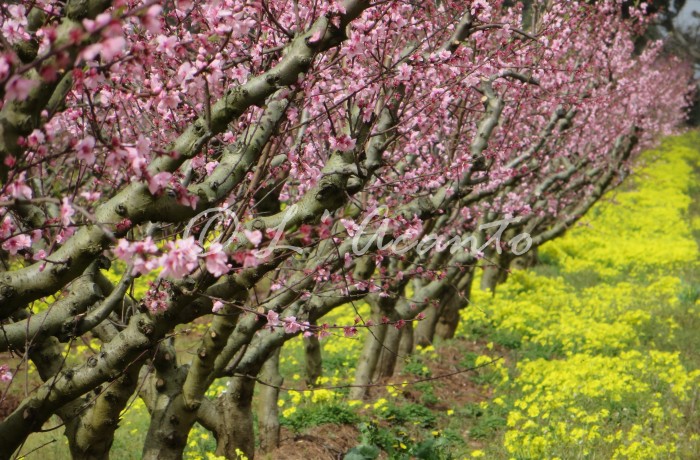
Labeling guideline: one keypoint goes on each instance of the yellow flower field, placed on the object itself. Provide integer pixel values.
(604, 364)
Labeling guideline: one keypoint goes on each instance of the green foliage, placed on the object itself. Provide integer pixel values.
(413, 413)
(308, 416)
(363, 452)
(398, 445)
(428, 396)
(416, 367)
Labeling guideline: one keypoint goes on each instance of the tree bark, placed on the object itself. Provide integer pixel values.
(424, 333)
(165, 438)
(268, 411)
(367, 363)
(236, 430)
(389, 354)
(313, 359)
(406, 343)
(495, 269)
(92, 433)
(451, 305)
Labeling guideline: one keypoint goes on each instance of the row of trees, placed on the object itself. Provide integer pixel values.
(319, 132)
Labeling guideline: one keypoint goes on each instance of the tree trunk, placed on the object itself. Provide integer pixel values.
(389, 354)
(313, 359)
(166, 438)
(367, 363)
(489, 278)
(368, 360)
(237, 419)
(406, 343)
(425, 330)
(451, 305)
(496, 271)
(268, 411)
(527, 260)
(93, 432)
(89, 430)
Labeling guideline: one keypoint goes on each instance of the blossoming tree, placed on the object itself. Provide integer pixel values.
(265, 162)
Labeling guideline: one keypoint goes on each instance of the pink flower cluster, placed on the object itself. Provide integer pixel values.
(177, 259)
(5, 374)
(289, 323)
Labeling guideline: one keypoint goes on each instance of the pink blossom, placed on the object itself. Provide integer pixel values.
(166, 44)
(17, 243)
(316, 36)
(350, 226)
(123, 250)
(184, 74)
(184, 5)
(273, 319)
(324, 331)
(13, 29)
(145, 246)
(404, 72)
(292, 326)
(137, 253)
(276, 287)
(5, 374)
(64, 234)
(159, 182)
(108, 49)
(156, 301)
(18, 88)
(137, 161)
(144, 266)
(84, 150)
(181, 258)
(211, 166)
(217, 306)
(321, 274)
(167, 102)
(250, 259)
(254, 236)
(67, 212)
(126, 250)
(354, 46)
(20, 189)
(216, 260)
(350, 331)
(101, 20)
(36, 138)
(91, 196)
(5, 67)
(150, 20)
(343, 143)
(187, 199)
